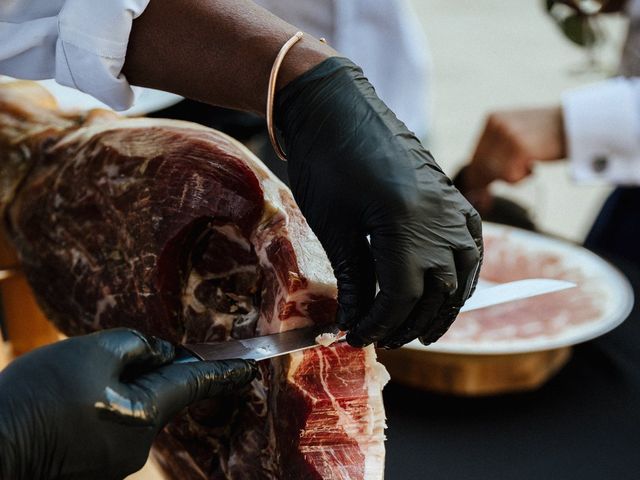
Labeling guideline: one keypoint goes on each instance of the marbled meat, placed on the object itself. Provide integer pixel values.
(179, 231)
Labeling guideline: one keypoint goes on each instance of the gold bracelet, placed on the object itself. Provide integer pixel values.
(271, 92)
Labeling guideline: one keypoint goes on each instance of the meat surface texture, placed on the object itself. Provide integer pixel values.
(179, 231)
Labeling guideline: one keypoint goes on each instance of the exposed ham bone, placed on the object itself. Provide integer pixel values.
(181, 232)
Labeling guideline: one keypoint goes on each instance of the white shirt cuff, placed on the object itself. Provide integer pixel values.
(602, 127)
(92, 46)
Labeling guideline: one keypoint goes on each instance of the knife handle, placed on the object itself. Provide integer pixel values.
(184, 356)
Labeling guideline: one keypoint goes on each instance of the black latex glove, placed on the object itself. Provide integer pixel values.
(356, 170)
(89, 407)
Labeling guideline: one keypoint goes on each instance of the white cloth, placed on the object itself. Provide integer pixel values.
(384, 37)
(80, 43)
(602, 121)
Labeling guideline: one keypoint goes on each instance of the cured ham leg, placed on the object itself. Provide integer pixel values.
(179, 231)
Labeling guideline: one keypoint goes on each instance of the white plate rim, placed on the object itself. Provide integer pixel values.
(573, 336)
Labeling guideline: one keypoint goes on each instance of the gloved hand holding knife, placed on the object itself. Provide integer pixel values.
(90, 406)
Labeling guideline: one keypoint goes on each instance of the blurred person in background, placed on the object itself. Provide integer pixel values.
(596, 128)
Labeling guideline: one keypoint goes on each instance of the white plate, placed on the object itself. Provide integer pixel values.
(147, 100)
(602, 300)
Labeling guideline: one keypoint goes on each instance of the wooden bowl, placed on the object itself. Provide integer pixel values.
(473, 375)
(26, 325)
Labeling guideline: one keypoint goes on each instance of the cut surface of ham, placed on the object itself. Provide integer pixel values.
(179, 231)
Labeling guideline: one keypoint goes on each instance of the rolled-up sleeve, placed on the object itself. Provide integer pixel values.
(80, 43)
(602, 125)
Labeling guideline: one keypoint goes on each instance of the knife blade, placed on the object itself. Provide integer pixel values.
(261, 348)
(512, 291)
(269, 346)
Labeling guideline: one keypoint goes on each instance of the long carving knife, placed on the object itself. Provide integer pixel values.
(269, 346)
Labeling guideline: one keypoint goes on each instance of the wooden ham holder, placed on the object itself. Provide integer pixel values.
(473, 375)
(26, 325)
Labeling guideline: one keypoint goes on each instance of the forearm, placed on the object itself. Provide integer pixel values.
(216, 51)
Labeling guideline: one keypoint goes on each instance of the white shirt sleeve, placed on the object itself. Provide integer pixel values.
(80, 43)
(602, 127)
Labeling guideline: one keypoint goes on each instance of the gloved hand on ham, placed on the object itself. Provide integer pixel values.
(357, 171)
